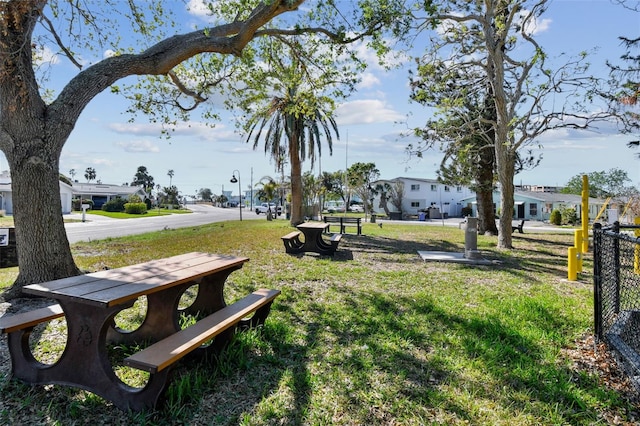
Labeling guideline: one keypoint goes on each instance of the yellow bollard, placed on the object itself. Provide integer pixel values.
(577, 243)
(572, 261)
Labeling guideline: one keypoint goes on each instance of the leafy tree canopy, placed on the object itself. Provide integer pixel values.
(613, 183)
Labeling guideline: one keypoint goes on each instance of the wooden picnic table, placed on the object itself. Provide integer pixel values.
(90, 303)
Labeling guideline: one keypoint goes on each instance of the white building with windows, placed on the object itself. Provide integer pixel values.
(6, 194)
(427, 196)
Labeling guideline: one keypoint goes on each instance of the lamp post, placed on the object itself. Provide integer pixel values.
(234, 180)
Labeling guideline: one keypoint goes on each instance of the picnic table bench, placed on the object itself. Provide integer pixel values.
(517, 226)
(90, 302)
(344, 221)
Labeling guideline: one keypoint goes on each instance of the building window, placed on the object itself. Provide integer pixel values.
(458, 189)
(434, 188)
(415, 204)
(415, 187)
(446, 188)
(533, 209)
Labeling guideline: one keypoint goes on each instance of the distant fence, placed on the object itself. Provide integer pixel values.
(616, 275)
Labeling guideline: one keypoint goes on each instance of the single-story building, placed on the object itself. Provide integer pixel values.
(100, 193)
(6, 194)
(530, 205)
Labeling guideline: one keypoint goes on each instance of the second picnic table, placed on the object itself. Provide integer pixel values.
(313, 239)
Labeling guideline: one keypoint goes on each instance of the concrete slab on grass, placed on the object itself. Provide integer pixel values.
(446, 256)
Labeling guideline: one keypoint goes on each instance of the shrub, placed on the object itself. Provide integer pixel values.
(114, 205)
(135, 208)
(569, 216)
(134, 198)
(556, 217)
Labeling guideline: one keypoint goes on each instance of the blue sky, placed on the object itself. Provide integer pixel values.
(370, 124)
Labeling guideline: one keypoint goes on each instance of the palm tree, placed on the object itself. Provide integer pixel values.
(170, 174)
(90, 174)
(267, 192)
(298, 121)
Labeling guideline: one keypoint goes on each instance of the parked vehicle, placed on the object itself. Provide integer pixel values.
(334, 207)
(357, 208)
(265, 207)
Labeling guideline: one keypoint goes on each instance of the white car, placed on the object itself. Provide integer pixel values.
(264, 207)
(357, 208)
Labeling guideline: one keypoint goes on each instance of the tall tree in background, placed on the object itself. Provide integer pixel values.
(625, 79)
(462, 129)
(613, 183)
(205, 194)
(144, 179)
(493, 39)
(90, 174)
(298, 118)
(360, 178)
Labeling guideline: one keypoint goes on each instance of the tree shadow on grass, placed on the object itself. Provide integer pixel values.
(531, 257)
(377, 244)
(425, 344)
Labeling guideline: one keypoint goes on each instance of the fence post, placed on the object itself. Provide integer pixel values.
(636, 249)
(616, 267)
(597, 280)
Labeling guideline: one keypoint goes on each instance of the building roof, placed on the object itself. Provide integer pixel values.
(106, 189)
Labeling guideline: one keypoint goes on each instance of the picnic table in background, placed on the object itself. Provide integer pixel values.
(313, 240)
(90, 302)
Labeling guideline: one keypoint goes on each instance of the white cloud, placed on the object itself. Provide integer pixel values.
(45, 55)
(194, 129)
(138, 146)
(366, 112)
(368, 80)
(535, 26)
(198, 8)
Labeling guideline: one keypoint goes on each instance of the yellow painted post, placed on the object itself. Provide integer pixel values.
(636, 249)
(577, 243)
(571, 263)
(585, 214)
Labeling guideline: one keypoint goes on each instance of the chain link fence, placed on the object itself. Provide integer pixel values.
(616, 274)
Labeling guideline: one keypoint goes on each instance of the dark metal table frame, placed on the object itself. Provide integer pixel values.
(90, 303)
(313, 239)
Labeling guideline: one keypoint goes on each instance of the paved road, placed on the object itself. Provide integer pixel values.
(99, 227)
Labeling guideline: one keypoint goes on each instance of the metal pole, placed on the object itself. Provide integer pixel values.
(234, 180)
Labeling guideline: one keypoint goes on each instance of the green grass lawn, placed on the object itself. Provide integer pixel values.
(152, 212)
(374, 336)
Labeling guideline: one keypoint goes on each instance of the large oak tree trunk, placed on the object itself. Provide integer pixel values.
(43, 248)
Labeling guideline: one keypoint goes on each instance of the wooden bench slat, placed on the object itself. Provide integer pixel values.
(291, 235)
(11, 323)
(117, 289)
(149, 268)
(171, 349)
